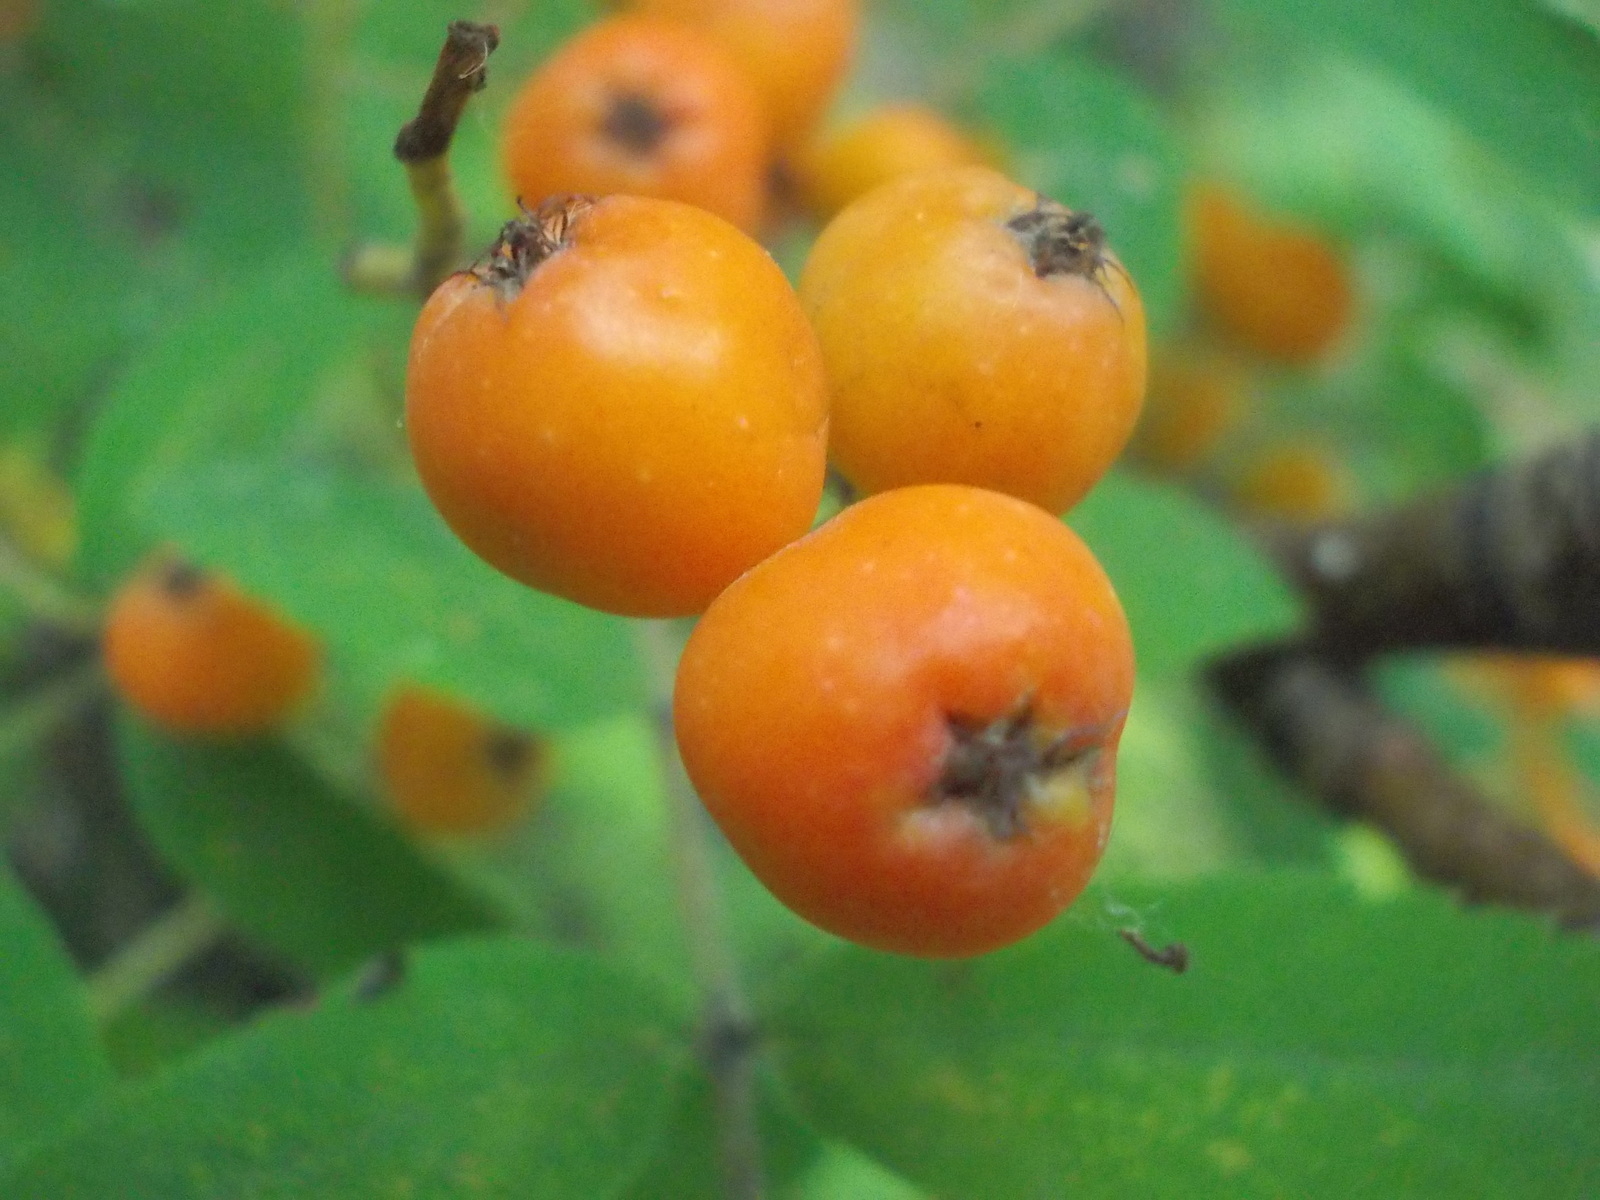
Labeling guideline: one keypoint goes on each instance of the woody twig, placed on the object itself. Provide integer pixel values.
(423, 148)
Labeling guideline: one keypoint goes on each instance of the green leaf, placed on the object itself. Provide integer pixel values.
(235, 375)
(1525, 83)
(843, 1174)
(496, 1068)
(596, 858)
(1274, 820)
(197, 109)
(1319, 1045)
(1175, 817)
(1586, 12)
(1086, 137)
(1190, 583)
(686, 1163)
(51, 1066)
(61, 327)
(370, 566)
(288, 860)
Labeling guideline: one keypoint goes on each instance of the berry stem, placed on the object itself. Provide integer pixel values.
(160, 949)
(728, 1037)
(423, 148)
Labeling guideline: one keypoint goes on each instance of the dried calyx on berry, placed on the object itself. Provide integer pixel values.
(527, 240)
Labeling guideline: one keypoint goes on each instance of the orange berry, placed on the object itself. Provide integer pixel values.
(975, 332)
(450, 770)
(1544, 686)
(1558, 793)
(624, 405)
(1278, 289)
(907, 722)
(886, 143)
(796, 51)
(1296, 482)
(644, 107)
(194, 654)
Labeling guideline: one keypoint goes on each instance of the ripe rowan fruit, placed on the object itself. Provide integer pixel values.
(646, 107)
(796, 51)
(1295, 481)
(882, 145)
(623, 405)
(975, 332)
(194, 654)
(1277, 289)
(906, 723)
(450, 770)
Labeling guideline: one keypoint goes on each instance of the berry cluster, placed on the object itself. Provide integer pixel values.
(906, 720)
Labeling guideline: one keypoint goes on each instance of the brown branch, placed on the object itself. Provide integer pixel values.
(1509, 560)
(1327, 731)
(423, 147)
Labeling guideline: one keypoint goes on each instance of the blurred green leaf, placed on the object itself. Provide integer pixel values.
(1585, 11)
(370, 566)
(596, 858)
(496, 1068)
(62, 330)
(1170, 822)
(843, 1174)
(1442, 228)
(1319, 1045)
(51, 1066)
(686, 1166)
(597, 862)
(1194, 794)
(1273, 820)
(289, 861)
(1190, 583)
(235, 376)
(1525, 83)
(198, 110)
(1581, 739)
(1086, 137)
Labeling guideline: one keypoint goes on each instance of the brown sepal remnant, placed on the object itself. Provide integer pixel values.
(1322, 726)
(1509, 560)
(529, 239)
(1059, 241)
(181, 579)
(460, 72)
(636, 124)
(994, 767)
